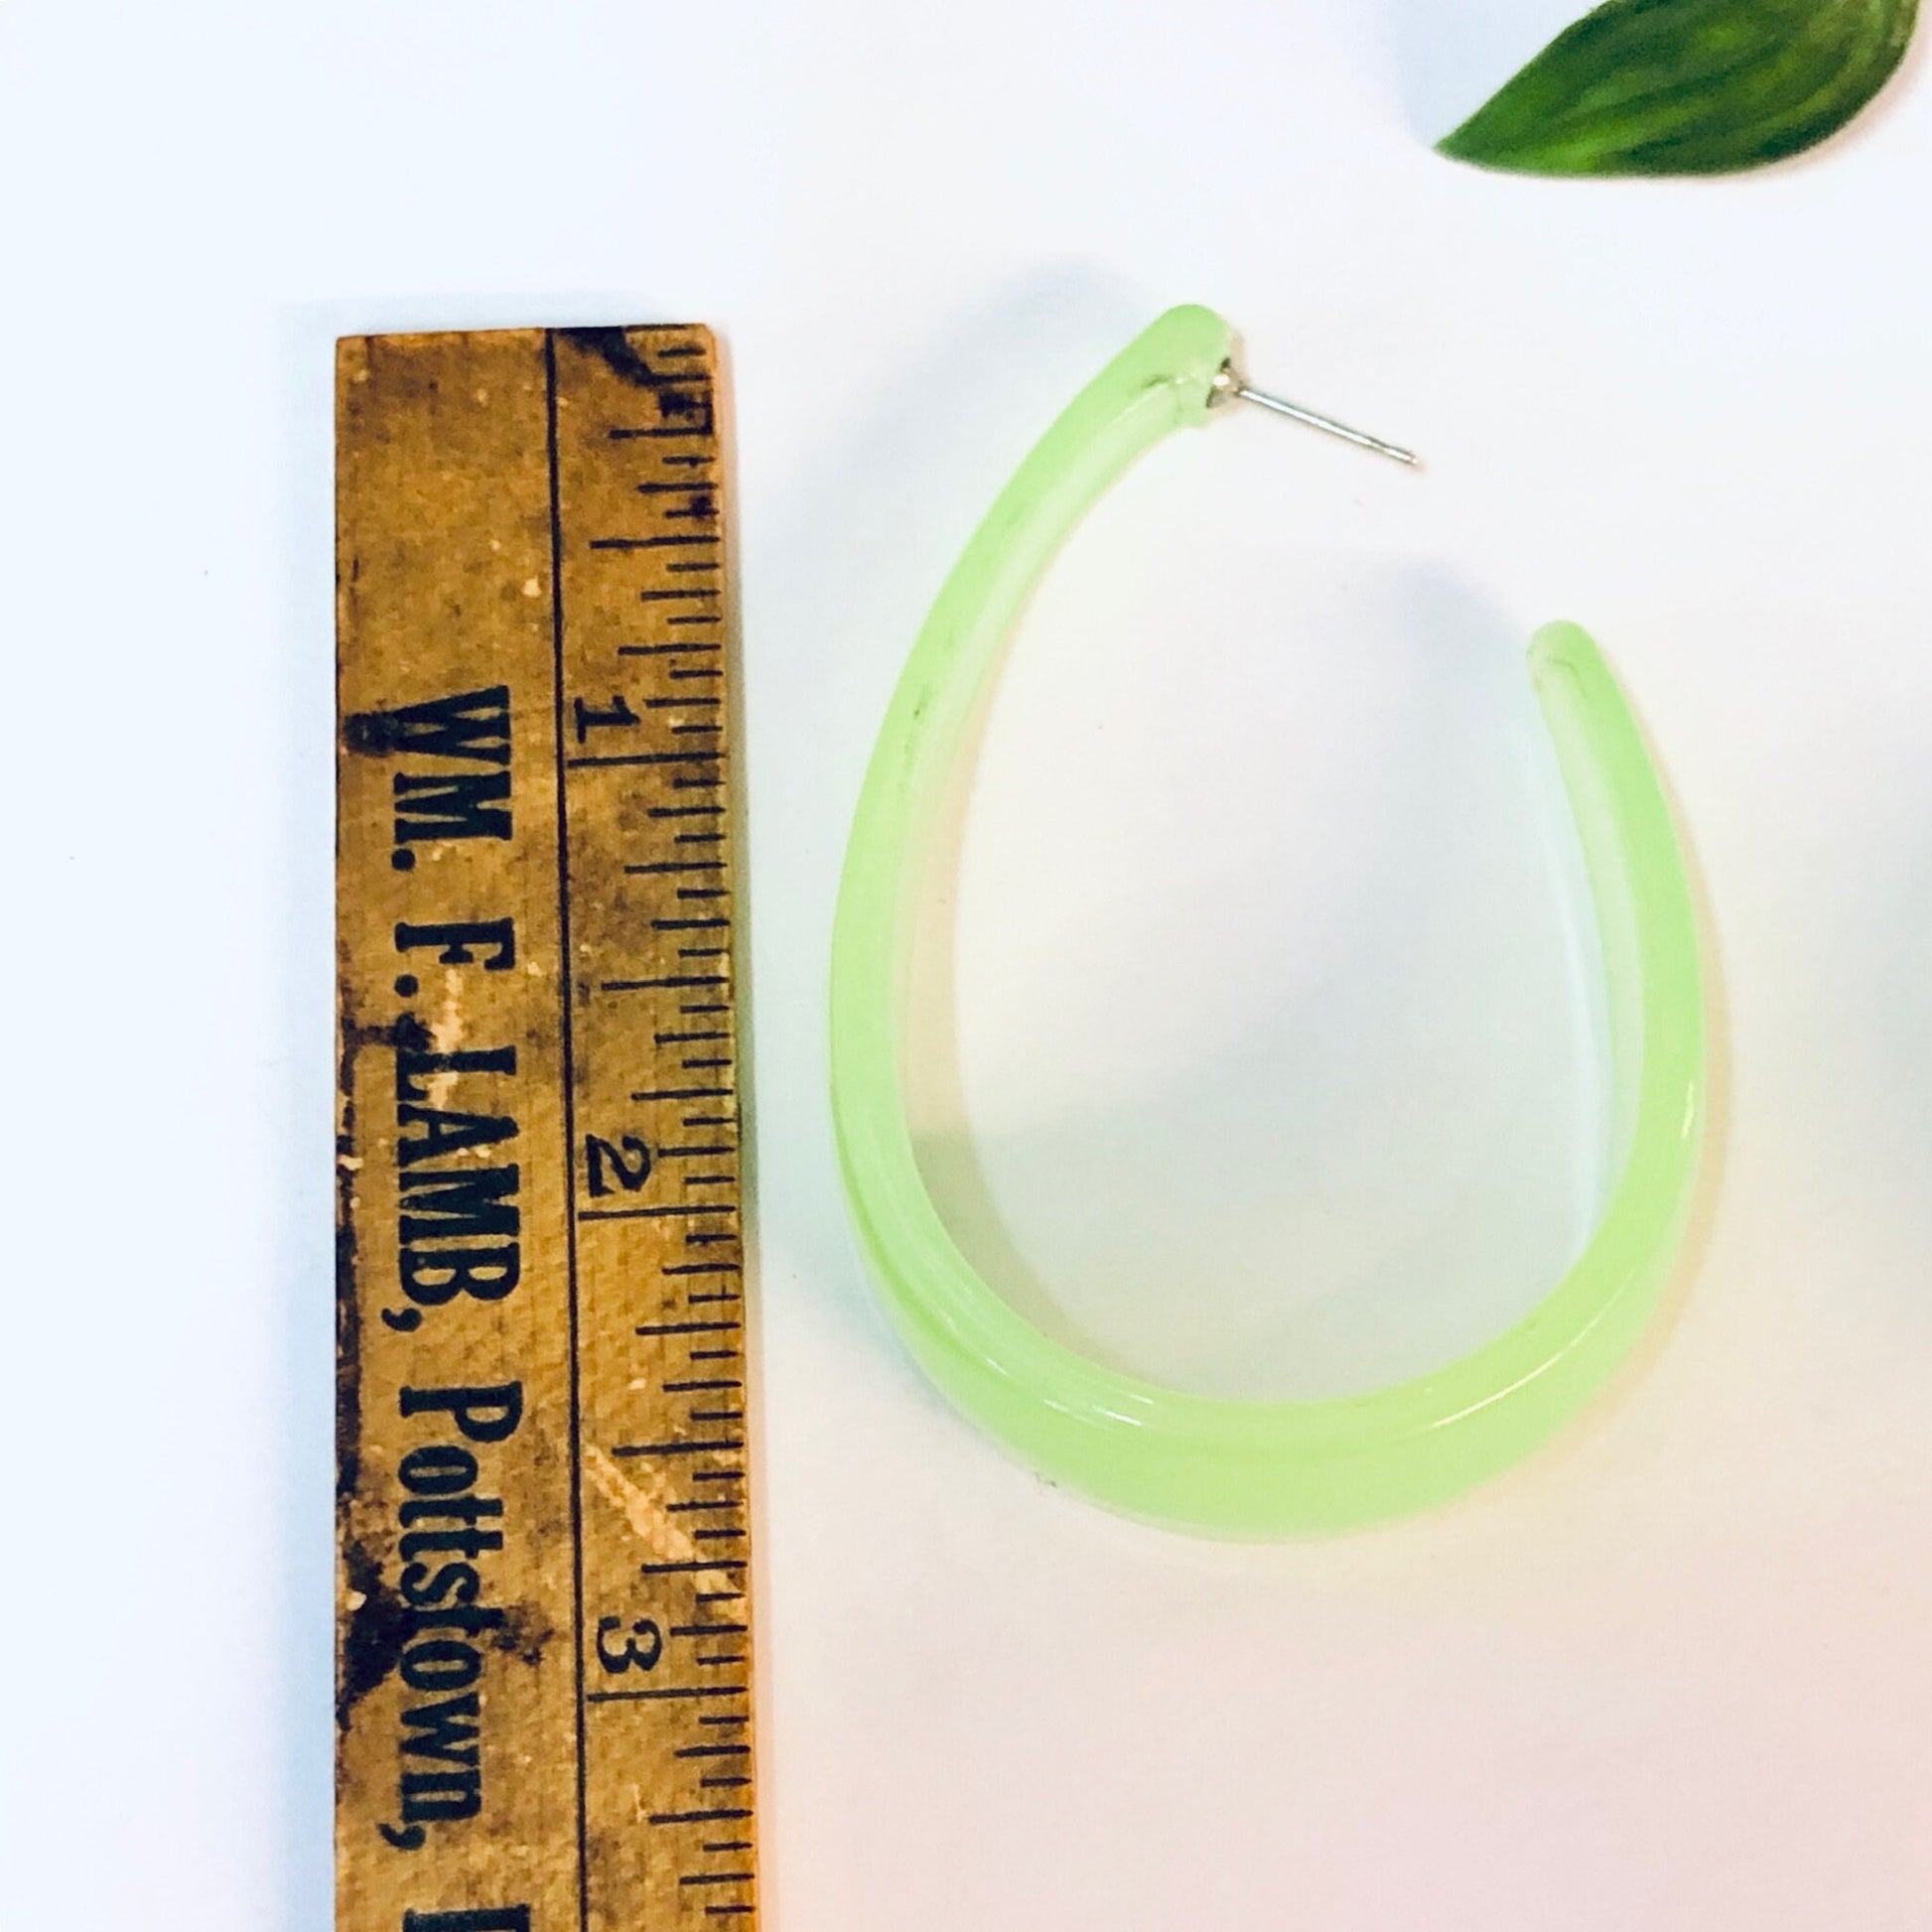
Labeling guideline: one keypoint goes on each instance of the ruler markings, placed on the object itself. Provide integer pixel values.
(669, 1211)
(673, 980)
(587, 759)
(654, 543)
(699, 1445)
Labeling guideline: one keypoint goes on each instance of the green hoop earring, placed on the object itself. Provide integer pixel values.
(1225, 1467)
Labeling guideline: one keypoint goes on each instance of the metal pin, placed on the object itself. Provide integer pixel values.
(1228, 385)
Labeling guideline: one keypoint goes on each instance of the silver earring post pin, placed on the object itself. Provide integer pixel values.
(1229, 385)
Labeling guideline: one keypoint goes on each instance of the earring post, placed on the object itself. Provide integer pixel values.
(1233, 385)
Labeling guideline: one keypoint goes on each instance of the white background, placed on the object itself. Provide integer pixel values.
(1257, 1046)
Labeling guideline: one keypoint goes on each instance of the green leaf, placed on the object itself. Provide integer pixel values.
(1689, 87)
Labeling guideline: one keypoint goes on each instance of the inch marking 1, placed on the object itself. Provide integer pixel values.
(545, 1668)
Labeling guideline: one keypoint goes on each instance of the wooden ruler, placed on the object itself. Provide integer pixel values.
(546, 1532)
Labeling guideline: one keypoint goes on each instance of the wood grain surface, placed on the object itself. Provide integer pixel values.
(544, 1666)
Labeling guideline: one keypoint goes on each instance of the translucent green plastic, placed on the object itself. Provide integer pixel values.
(1249, 1468)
